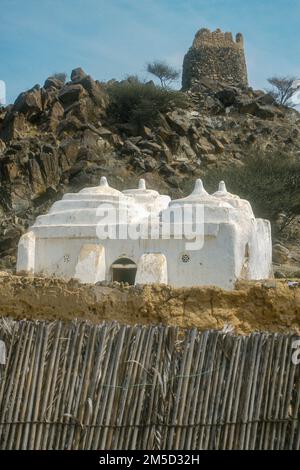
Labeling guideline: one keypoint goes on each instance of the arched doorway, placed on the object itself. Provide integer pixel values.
(124, 270)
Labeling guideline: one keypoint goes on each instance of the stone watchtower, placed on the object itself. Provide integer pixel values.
(216, 56)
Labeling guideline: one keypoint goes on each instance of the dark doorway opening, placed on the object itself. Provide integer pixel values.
(124, 270)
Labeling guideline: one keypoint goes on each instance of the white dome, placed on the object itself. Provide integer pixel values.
(151, 200)
(233, 199)
(215, 210)
(103, 190)
(141, 192)
(88, 206)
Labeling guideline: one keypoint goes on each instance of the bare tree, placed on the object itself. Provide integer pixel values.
(164, 72)
(284, 89)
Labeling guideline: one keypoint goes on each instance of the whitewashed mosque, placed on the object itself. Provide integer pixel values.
(74, 240)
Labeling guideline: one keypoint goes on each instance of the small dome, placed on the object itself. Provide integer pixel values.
(222, 192)
(101, 193)
(199, 207)
(141, 190)
(232, 199)
(103, 189)
(84, 207)
(151, 200)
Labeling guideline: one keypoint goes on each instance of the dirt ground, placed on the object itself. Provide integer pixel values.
(253, 306)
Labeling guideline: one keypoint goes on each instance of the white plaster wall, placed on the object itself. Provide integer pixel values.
(152, 268)
(26, 253)
(90, 267)
(214, 264)
(58, 256)
(219, 262)
(260, 266)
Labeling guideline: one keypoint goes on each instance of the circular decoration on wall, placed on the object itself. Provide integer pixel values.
(185, 258)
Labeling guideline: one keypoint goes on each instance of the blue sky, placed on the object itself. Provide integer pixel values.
(114, 38)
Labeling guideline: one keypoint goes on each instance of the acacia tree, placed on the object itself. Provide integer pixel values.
(164, 72)
(284, 89)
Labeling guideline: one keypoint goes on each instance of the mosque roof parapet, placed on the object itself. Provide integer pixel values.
(84, 208)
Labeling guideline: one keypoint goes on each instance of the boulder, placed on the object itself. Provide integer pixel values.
(36, 177)
(56, 113)
(96, 91)
(178, 122)
(150, 164)
(256, 109)
(14, 126)
(130, 147)
(53, 82)
(83, 110)
(103, 132)
(69, 125)
(146, 144)
(89, 139)
(49, 98)
(217, 144)
(77, 74)
(185, 167)
(70, 94)
(136, 139)
(167, 170)
(203, 146)
(29, 103)
(68, 152)
(210, 158)
(165, 131)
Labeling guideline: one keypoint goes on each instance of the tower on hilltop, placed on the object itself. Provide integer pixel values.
(217, 56)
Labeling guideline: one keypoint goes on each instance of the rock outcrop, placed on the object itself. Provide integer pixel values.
(58, 138)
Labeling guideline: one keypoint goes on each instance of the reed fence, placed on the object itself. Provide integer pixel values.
(111, 386)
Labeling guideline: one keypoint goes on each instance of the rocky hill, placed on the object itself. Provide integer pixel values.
(60, 137)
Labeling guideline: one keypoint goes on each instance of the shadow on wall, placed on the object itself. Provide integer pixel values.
(124, 270)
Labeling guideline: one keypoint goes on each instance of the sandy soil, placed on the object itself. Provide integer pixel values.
(252, 306)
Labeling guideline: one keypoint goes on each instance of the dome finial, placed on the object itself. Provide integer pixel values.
(103, 181)
(222, 187)
(142, 184)
(199, 188)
